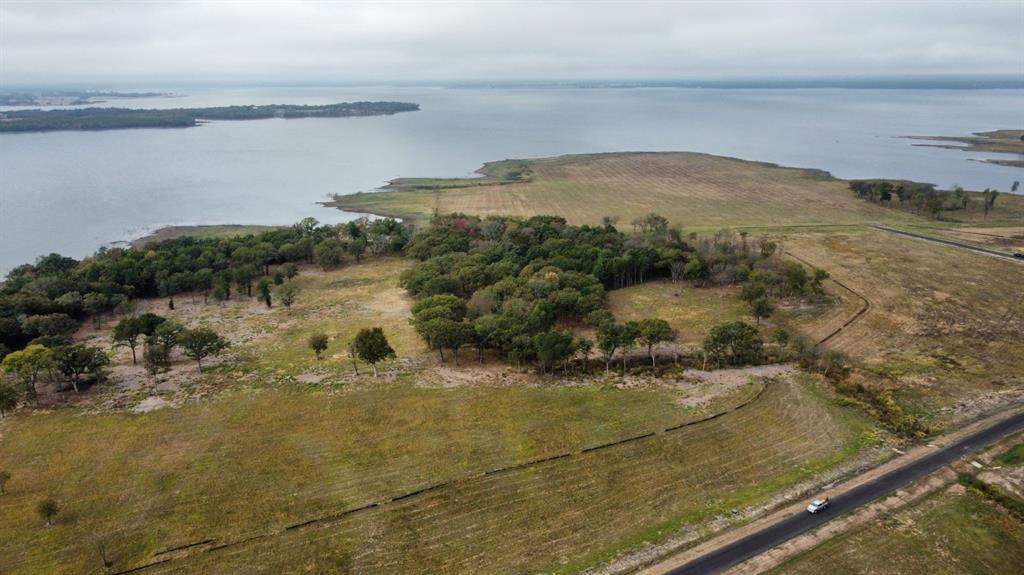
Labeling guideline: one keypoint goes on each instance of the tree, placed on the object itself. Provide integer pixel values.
(156, 357)
(5, 476)
(584, 347)
(372, 346)
(263, 290)
(167, 334)
(127, 333)
(8, 399)
(200, 343)
(651, 332)
(286, 294)
(27, 364)
(329, 253)
(48, 509)
(93, 304)
(78, 362)
(609, 336)
(733, 342)
(760, 308)
(52, 324)
(781, 337)
(318, 343)
(553, 347)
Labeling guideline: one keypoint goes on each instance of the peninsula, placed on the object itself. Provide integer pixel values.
(118, 118)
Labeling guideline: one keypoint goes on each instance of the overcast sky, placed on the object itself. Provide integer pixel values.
(154, 42)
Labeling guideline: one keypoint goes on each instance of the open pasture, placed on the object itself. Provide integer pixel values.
(697, 191)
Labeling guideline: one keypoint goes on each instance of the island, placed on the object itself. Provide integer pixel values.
(70, 97)
(997, 141)
(119, 118)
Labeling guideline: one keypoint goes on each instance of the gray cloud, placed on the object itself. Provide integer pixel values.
(84, 41)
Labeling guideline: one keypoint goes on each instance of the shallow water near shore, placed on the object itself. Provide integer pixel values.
(73, 192)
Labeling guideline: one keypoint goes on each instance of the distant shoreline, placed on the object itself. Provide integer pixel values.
(89, 119)
(205, 231)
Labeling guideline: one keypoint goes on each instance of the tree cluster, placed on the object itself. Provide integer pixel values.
(921, 198)
(44, 302)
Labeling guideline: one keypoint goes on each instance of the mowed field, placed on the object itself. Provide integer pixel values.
(565, 513)
(944, 323)
(948, 533)
(696, 191)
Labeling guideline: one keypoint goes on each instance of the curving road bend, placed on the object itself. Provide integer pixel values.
(757, 543)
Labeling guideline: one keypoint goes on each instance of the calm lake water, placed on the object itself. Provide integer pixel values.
(72, 192)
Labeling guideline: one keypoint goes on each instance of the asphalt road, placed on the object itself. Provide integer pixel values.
(802, 522)
(950, 243)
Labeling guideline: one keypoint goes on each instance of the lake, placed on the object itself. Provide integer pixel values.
(73, 192)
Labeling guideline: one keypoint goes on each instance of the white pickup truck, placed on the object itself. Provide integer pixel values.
(818, 505)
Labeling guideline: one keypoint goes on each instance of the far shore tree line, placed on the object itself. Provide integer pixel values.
(925, 199)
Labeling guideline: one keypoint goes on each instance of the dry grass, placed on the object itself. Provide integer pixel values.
(697, 191)
(560, 515)
(944, 323)
(945, 534)
(691, 311)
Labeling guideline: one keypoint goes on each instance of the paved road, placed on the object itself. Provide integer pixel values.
(953, 243)
(802, 522)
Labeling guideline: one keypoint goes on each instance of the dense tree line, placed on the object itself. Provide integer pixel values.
(44, 302)
(511, 285)
(922, 198)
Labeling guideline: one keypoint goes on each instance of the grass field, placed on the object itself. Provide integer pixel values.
(211, 231)
(947, 533)
(697, 191)
(944, 323)
(700, 192)
(570, 512)
(252, 462)
(691, 311)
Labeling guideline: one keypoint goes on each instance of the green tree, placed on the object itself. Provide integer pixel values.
(553, 347)
(286, 294)
(584, 347)
(156, 357)
(201, 343)
(52, 324)
(77, 362)
(651, 332)
(372, 347)
(318, 343)
(609, 337)
(93, 304)
(5, 476)
(760, 308)
(263, 290)
(48, 510)
(329, 253)
(27, 364)
(167, 334)
(128, 333)
(733, 343)
(8, 399)
(781, 338)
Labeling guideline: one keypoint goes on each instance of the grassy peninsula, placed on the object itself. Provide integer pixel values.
(118, 118)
